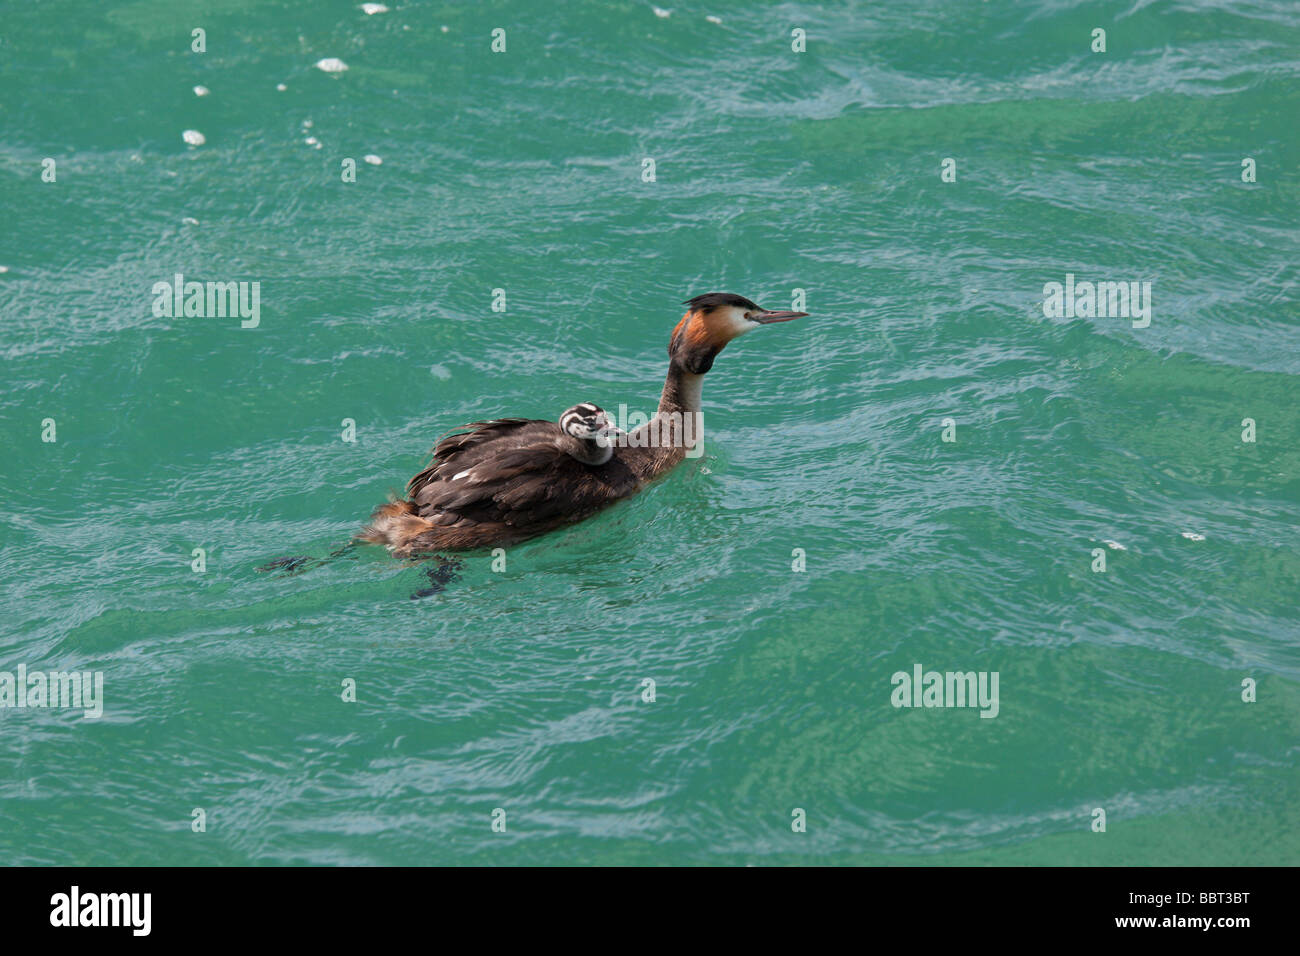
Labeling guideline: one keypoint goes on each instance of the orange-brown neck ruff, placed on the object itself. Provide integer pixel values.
(698, 338)
(697, 334)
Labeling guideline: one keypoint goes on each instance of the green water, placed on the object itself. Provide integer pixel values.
(522, 689)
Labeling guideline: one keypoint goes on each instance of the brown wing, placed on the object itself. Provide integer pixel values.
(460, 445)
(509, 476)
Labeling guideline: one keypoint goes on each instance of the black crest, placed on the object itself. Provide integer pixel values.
(711, 300)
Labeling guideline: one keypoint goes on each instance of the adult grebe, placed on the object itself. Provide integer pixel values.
(507, 480)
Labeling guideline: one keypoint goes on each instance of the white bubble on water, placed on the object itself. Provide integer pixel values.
(712, 19)
(371, 9)
(440, 371)
(372, 159)
(662, 14)
(201, 91)
(194, 137)
(1193, 536)
(189, 221)
(331, 64)
(1114, 545)
(3, 269)
(312, 141)
(281, 87)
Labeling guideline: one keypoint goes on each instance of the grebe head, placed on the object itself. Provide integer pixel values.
(711, 321)
(587, 434)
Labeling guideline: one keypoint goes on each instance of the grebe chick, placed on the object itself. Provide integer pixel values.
(588, 434)
(503, 481)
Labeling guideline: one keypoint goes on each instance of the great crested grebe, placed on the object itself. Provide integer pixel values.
(504, 481)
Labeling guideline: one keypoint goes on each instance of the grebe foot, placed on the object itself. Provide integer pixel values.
(296, 564)
(292, 565)
(440, 574)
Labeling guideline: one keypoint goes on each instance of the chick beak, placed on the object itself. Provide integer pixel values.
(605, 431)
(765, 317)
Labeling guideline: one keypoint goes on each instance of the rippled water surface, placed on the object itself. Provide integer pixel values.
(522, 689)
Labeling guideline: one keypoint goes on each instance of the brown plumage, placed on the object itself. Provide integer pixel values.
(497, 482)
(504, 481)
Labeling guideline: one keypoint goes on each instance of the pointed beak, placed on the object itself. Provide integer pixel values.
(764, 316)
(604, 429)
